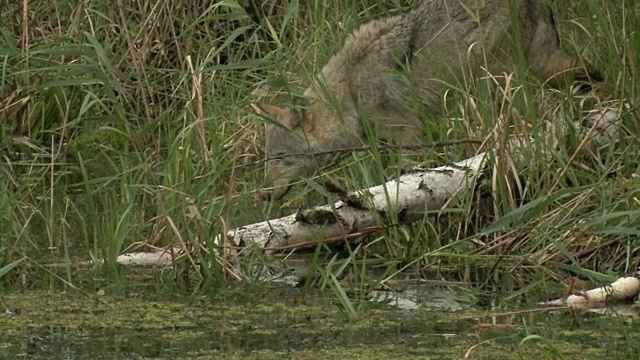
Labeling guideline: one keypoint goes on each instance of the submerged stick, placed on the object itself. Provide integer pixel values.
(623, 289)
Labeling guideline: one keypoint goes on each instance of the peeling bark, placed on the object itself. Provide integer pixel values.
(402, 200)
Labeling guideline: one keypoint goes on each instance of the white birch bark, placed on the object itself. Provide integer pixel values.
(623, 289)
(405, 199)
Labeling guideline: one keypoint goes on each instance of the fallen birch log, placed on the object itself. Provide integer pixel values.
(399, 201)
(403, 200)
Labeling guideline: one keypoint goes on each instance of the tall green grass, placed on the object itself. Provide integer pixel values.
(128, 123)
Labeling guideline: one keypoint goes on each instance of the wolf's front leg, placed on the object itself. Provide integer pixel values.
(407, 135)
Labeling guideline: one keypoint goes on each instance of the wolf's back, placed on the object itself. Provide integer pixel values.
(431, 41)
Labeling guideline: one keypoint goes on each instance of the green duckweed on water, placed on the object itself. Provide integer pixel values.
(280, 323)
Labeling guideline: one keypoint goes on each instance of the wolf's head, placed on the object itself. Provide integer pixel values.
(291, 139)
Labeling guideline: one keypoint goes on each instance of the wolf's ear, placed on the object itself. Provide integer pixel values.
(283, 116)
(266, 110)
